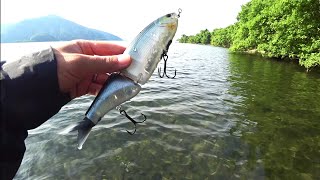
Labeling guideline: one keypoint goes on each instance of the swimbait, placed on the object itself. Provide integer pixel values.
(146, 50)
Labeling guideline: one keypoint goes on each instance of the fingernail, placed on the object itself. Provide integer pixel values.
(124, 60)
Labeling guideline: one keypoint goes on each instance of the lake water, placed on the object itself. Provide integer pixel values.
(224, 116)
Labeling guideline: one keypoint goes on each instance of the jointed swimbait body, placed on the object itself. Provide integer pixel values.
(145, 51)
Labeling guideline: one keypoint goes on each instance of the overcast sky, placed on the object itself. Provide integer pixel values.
(126, 18)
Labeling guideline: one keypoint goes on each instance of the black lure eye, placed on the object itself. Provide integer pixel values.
(168, 15)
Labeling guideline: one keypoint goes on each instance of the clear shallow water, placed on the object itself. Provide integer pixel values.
(224, 116)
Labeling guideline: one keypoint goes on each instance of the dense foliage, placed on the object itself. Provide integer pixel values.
(273, 28)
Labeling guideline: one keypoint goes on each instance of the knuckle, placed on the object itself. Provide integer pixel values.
(111, 60)
(78, 42)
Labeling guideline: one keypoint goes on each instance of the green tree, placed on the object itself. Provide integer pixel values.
(273, 28)
(222, 36)
(281, 29)
(205, 36)
(183, 39)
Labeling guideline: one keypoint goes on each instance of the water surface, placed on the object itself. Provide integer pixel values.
(224, 116)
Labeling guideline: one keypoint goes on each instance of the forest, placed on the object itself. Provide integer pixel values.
(284, 29)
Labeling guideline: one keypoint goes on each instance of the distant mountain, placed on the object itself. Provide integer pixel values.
(50, 28)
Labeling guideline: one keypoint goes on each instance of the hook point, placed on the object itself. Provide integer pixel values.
(123, 112)
(164, 56)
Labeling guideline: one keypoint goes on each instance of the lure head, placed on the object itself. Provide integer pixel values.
(169, 21)
(148, 46)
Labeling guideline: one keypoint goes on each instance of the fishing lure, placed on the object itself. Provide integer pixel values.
(146, 51)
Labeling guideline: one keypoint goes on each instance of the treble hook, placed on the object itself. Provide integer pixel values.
(123, 112)
(165, 58)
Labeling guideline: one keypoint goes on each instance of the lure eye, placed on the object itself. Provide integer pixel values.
(168, 15)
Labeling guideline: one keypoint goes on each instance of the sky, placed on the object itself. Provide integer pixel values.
(126, 18)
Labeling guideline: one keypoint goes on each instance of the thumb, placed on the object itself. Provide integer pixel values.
(104, 64)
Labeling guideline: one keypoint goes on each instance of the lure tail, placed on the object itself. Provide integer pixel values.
(84, 127)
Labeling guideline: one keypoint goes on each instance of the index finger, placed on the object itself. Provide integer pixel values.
(101, 48)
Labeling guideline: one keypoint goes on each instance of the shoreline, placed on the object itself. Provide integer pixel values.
(255, 52)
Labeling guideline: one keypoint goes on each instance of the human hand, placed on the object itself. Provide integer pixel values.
(82, 65)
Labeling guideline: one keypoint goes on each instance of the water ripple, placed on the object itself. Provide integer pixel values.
(224, 116)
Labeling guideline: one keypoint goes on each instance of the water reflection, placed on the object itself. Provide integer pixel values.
(281, 106)
(224, 116)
